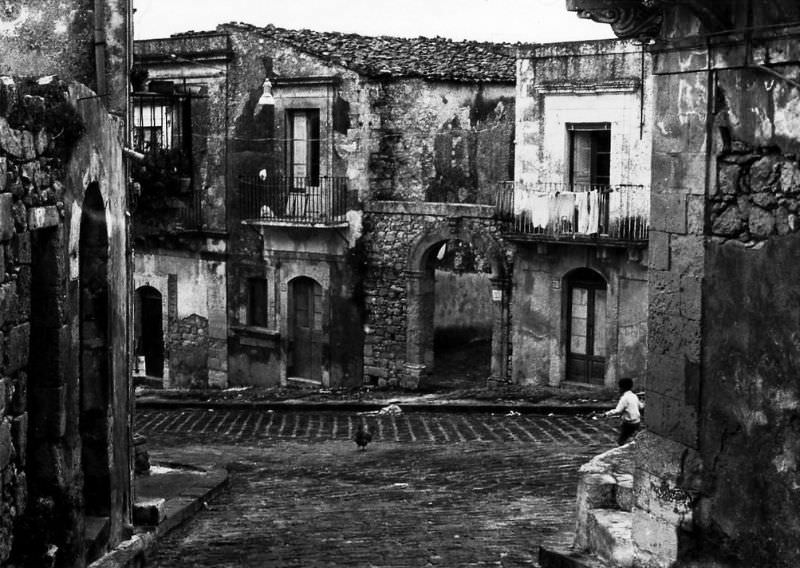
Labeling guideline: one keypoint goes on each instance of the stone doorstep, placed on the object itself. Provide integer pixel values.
(149, 512)
(303, 383)
(566, 558)
(610, 536)
(176, 511)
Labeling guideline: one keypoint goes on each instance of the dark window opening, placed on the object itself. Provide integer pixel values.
(257, 302)
(304, 148)
(163, 125)
(589, 154)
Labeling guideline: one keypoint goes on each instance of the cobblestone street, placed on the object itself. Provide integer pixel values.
(431, 490)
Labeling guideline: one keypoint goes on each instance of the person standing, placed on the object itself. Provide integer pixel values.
(629, 409)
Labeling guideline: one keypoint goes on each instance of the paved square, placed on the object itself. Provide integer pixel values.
(309, 498)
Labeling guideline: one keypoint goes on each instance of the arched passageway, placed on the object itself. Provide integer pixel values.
(460, 316)
(95, 380)
(457, 328)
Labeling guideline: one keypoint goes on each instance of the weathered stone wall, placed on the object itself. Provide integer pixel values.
(464, 302)
(56, 140)
(205, 80)
(441, 142)
(716, 475)
(583, 82)
(195, 337)
(188, 352)
(51, 37)
(393, 233)
(539, 335)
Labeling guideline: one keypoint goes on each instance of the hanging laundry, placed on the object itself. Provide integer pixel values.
(540, 210)
(582, 207)
(593, 224)
(564, 213)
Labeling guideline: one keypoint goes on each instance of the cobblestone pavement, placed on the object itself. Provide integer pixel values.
(445, 490)
(256, 426)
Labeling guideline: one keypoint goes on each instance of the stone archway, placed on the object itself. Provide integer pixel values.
(420, 295)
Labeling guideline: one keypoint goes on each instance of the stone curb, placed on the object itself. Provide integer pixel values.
(358, 406)
(133, 552)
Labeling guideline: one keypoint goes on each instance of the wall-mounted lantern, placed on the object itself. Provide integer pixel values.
(266, 99)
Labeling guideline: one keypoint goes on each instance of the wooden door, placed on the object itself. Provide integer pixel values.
(305, 328)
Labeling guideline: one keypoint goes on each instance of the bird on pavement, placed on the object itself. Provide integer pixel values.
(362, 437)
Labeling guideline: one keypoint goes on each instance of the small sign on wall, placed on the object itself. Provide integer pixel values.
(497, 295)
(556, 284)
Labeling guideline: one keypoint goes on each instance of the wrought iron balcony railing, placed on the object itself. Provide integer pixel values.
(294, 200)
(576, 211)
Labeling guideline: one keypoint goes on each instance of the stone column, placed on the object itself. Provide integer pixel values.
(419, 331)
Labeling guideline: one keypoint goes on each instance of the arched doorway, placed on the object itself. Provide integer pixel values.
(586, 326)
(149, 330)
(95, 380)
(305, 321)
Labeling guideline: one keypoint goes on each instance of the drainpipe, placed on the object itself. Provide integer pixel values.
(100, 45)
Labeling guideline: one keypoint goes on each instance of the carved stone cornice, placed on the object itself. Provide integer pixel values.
(629, 19)
(642, 19)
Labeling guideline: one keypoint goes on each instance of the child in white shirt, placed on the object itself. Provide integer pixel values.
(629, 409)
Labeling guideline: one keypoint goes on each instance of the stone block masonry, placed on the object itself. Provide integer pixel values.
(32, 162)
(394, 231)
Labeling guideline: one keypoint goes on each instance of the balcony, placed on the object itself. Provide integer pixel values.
(556, 212)
(295, 201)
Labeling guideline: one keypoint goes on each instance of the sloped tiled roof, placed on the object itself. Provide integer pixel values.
(429, 58)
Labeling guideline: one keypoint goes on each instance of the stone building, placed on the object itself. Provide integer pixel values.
(64, 254)
(578, 213)
(320, 175)
(715, 480)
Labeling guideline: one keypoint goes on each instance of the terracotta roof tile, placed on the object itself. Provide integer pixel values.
(429, 58)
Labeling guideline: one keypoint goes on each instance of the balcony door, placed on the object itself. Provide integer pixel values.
(589, 154)
(586, 327)
(304, 148)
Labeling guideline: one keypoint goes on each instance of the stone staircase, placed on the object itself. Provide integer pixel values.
(604, 515)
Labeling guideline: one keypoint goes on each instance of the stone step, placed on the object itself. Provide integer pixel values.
(95, 536)
(552, 557)
(623, 492)
(303, 383)
(610, 536)
(149, 512)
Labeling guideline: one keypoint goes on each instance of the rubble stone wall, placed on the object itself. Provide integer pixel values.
(56, 141)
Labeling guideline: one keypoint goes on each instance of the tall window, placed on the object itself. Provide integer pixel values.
(257, 302)
(304, 147)
(589, 154)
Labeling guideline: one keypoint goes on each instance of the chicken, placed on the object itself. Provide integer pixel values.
(362, 437)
